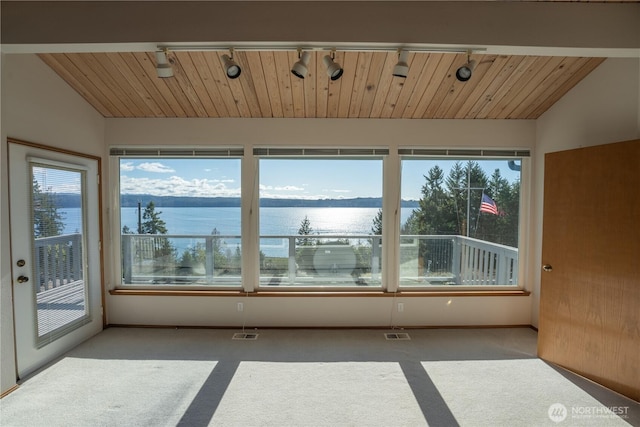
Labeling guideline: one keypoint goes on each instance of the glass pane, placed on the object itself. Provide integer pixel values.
(57, 214)
(461, 226)
(319, 222)
(180, 221)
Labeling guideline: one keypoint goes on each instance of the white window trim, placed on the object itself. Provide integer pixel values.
(392, 171)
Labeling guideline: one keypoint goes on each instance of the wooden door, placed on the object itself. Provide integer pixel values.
(590, 298)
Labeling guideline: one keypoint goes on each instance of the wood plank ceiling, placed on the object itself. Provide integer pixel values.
(502, 87)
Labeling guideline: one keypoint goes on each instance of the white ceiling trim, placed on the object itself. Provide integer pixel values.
(490, 50)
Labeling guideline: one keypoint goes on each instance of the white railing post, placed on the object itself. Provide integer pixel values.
(456, 259)
(375, 257)
(209, 261)
(127, 259)
(292, 260)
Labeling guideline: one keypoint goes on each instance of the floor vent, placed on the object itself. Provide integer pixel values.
(245, 336)
(395, 336)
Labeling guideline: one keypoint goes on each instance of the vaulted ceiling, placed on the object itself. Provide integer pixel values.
(502, 86)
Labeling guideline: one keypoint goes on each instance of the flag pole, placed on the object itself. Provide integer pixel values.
(468, 197)
(478, 220)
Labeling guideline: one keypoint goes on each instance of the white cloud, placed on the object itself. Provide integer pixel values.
(155, 167)
(127, 167)
(177, 186)
(289, 188)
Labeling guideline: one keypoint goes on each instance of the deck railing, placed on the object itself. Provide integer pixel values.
(456, 260)
(57, 261)
(316, 260)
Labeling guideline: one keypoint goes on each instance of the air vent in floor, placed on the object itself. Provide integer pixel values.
(245, 336)
(395, 336)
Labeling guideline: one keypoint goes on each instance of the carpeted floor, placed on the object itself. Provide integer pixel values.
(200, 377)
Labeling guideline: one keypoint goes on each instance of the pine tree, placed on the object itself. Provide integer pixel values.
(305, 230)
(152, 223)
(47, 221)
(376, 229)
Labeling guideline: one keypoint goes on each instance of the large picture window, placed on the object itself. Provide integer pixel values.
(180, 221)
(463, 229)
(317, 219)
(320, 222)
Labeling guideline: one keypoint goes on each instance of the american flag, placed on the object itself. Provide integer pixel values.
(488, 205)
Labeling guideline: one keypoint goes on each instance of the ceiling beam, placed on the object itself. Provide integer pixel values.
(500, 27)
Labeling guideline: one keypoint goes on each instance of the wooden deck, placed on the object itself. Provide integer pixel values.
(60, 306)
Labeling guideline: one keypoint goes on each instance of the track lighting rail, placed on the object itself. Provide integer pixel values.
(300, 67)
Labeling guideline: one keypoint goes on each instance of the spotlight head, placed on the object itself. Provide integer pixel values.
(232, 69)
(464, 73)
(163, 67)
(334, 70)
(401, 68)
(300, 68)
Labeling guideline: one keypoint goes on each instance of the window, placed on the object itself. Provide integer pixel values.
(319, 219)
(460, 223)
(320, 222)
(180, 221)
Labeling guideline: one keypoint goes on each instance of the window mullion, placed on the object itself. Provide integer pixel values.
(390, 221)
(250, 223)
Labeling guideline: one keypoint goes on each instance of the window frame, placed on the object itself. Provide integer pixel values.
(116, 155)
(322, 154)
(391, 201)
(522, 155)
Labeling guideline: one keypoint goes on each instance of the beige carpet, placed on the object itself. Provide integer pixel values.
(169, 377)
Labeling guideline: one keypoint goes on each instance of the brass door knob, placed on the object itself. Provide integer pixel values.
(22, 279)
(547, 268)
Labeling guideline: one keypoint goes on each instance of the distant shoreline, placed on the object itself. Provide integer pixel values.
(132, 200)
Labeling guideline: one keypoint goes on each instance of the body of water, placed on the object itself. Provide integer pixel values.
(273, 221)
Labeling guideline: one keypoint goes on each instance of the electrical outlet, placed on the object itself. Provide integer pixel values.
(240, 306)
(400, 307)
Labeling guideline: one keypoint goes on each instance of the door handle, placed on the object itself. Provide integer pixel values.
(547, 268)
(22, 279)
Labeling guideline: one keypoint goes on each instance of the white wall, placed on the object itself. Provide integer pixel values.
(601, 109)
(37, 106)
(316, 311)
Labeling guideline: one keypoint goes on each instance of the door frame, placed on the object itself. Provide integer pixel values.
(100, 255)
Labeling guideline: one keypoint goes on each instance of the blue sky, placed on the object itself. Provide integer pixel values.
(279, 178)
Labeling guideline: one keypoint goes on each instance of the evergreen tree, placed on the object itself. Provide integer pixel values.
(151, 221)
(153, 224)
(502, 228)
(459, 180)
(305, 230)
(443, 206)
(376, 229)
(305, 247)
(435, 214)
(47, 221)
(220, 259)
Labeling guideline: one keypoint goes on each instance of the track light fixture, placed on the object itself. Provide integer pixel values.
(401, 68)
(300, 68)
(232, 69)
(163, 67)
(464, 73)
(334, 70)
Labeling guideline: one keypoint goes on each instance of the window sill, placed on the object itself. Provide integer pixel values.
(310, 293)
